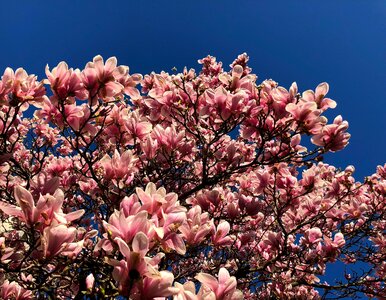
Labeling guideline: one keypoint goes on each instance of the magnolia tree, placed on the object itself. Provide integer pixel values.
(185, 186)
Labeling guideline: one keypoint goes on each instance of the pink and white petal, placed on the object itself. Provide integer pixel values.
(25, 201)
(140, 244)
(12, 210)
(74, 215)
(224, 227)
(98, 65)
(111, 64)
(223, 276)
(322, 89)
(208, 280)
(111, 229)
(123, 247)
(132, 92)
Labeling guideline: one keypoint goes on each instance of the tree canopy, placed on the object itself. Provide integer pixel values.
(189, 186)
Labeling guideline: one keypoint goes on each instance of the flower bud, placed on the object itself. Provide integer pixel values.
(90, 281)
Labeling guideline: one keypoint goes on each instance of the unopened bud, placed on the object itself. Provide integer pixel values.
(90, 282)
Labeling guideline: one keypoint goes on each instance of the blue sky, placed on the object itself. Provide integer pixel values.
(342, 42)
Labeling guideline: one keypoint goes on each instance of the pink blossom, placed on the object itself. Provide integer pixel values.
(307, 115)
(19, 87)
(242, 60)
(56, 239)
(137, 128)
(47, 209)
(220, 236)
(120, 166)
(224, 287)
(129, 82)
(72, 113)
(331, 248)
(319, 97)
(210, 66)
(313, 235)
(169, 137)
(158, 285)
(98, 78)
(333, 136)
(131, 270)
(127, 227)
(197, 225)
(66, 83)
(12, 290)
(152, 198)
(187, 291)
(90, 280)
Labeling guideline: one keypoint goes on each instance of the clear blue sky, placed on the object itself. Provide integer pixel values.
(342, 42)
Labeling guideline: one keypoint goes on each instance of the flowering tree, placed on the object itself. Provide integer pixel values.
(197, 186)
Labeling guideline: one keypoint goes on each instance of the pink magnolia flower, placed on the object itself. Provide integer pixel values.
(19, 87)
(224, 287)
(161, 91)
(170, 239)
(104, 71)
(98, 78)
(129, 82)
(264, 180)
(130, 205)
(137, 128)
(72, 114)
(219, 102)
(220, 236)
(307, 115)
(43, 184)
(331, 248)
(355, 209)
(25, 210)
(56, 239)
(131, 270)
(237, 73)
(152, 198)
(47, 209)
(187, 291)
(318, 97)
(12, 290)
(66, 83)
(168, 137)
(333, 136)
(210, 66)
(197, 226)
(281, 97)
(157, 286)
(270, 244)
(166, 213)
(242, 60)
(149, 147)
(126, 228)
(120, 166)
(6, 84)
(313, 235)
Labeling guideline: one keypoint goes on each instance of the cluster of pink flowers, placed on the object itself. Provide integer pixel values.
(185, 186)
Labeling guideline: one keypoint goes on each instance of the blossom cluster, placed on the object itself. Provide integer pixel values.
(187, 186)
